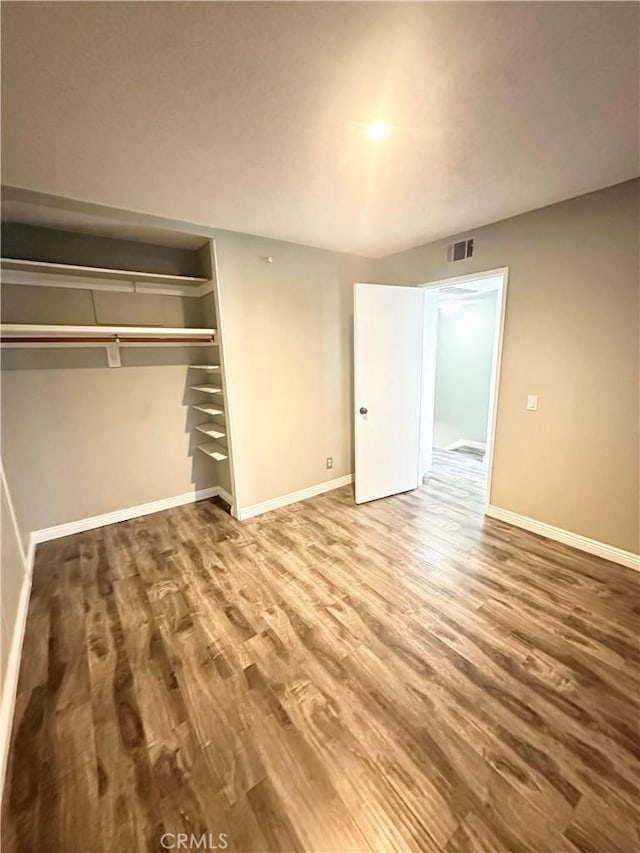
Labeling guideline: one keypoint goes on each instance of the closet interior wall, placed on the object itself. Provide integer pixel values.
(81, 439)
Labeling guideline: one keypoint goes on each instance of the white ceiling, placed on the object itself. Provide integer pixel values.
(244, 115)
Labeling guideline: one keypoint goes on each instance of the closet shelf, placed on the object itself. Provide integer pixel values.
(19, 333)
(209, 409)
(215, 451)
(204, 366)
(212, 430)
(97, 272)
(207, 389)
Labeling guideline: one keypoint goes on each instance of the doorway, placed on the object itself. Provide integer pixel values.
(463, 324)
(395, 354)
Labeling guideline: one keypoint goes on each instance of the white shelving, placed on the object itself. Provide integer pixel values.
(178, 252)
(215, 451)
(207, 389)
(212, 430)
(209, 409)
(97, 272)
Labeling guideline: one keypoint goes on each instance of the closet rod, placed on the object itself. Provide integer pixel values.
(113, 339)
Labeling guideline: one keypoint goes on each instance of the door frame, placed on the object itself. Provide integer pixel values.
(494, 394)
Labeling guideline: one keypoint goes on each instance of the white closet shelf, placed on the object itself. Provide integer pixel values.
(204, 366)
(207, 389)
(97, 272)
(8, 331)
(209, 409)
(212, 430)
(215, 451)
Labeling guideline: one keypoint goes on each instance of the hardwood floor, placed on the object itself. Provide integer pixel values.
(399, 676)
(473, 452)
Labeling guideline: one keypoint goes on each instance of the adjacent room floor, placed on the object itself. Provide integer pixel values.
(399, 676)
(462, 470)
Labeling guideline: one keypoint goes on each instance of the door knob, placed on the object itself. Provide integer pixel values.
(363, 411)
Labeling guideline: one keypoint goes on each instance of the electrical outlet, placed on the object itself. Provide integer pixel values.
(329, 461)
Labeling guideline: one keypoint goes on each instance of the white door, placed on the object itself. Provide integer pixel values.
(388, 332)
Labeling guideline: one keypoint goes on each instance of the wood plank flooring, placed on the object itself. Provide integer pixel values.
(401, 676)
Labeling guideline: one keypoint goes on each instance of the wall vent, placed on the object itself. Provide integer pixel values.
(460, 250)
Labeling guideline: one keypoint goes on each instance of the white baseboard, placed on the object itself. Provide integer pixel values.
(294, 497)
(466, 442)
(82, 524)
(10, 686)
(226, 497)
(582, 543)
(10, 680)
(31, 553)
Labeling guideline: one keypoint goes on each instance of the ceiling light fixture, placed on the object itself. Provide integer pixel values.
(378, 129)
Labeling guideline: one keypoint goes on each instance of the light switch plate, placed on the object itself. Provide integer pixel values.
(532, 402)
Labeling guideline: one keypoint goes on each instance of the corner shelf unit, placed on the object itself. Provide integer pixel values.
(207, 389)
(213, 430)
(209, 409)
(214, 451)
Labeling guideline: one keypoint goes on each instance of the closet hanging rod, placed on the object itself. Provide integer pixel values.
(23, 334)
(107, 339)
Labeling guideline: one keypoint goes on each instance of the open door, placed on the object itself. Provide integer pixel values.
(388, 338)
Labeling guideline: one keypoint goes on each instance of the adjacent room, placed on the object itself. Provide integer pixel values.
(462, 350)
(320, 427)
(460, 372)
(467, 325)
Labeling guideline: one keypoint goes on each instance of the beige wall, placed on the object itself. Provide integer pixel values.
(80, 439)
(12, 574)
(288, 330)
(571, 336)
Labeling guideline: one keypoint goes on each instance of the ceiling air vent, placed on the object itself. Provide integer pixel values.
(460, 250)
